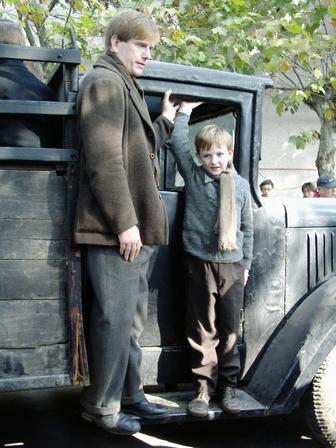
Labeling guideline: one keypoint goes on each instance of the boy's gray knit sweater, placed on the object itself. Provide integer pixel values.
(202, 203)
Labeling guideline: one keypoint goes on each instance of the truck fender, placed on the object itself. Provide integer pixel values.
(297, 350)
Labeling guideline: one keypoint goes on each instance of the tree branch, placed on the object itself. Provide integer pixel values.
(288, 78)
(67, 21)
(29, 33)
(283, 87)
(52, 5)
(323, 22)
(298, 77)
(300, 66)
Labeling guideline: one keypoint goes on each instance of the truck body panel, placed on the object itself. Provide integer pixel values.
(289, 313)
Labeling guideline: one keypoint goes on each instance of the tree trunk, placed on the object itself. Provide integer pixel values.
(326, 156)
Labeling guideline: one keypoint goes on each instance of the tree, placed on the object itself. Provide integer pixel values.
(47, 22)
(292, 41)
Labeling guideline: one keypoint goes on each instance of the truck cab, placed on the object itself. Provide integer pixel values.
(288, 321)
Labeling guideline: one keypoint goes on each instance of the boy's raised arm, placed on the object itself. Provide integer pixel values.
(179, 142)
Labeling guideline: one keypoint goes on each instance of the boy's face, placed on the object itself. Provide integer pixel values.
(215, 160)
(308, 193)
(134, 54)
(266, 191)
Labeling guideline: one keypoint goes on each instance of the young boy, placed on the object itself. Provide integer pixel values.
(217, 239)
(266, 188)
(309, 190)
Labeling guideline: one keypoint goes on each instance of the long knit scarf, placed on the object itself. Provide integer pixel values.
(226, 225)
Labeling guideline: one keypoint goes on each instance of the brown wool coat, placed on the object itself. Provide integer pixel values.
(119, 145)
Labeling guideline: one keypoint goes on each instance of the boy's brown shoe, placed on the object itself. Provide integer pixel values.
(199, 406)
(229, 401)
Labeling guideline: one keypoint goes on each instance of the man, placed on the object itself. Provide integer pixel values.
(326, 186)
(18, 83)
(266, 188)
(120, 216)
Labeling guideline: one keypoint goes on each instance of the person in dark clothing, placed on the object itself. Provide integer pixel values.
(326, 186)
(120, 216)
(19, 83)
(218, 240)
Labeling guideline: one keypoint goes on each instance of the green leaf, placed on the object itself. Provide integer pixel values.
(201, 56)
(294, 27)
(318, 74)
(280, 108)
(333, 82)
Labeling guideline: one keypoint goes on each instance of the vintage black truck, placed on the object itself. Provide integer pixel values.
(288, 321)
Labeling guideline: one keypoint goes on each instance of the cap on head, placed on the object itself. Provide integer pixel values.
(326, 181)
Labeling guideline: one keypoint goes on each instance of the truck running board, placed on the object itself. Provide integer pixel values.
(177, 403)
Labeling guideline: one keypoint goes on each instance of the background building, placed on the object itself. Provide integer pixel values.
(287, 166)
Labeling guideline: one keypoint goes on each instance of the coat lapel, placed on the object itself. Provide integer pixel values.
(110, 62)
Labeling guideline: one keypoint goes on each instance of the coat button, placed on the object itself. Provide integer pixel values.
(151, 155)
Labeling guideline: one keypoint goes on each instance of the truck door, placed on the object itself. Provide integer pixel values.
(234, 102)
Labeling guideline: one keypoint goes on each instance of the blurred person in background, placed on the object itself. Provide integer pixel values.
(266, 188)
(326, 186)
(309, 190)
(17, 82)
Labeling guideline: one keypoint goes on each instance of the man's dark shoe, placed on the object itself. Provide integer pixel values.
(199, 406)
(145, 409)
(120, 423)
(229, 401)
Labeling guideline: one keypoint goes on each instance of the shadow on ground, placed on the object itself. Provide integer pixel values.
(47, 419)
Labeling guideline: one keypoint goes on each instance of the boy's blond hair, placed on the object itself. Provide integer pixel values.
(130, 24)
(212, 135)
(11, 33)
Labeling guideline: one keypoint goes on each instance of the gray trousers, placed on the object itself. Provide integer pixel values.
(117, 317)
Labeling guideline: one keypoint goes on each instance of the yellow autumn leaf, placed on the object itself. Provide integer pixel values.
(284, 66)
(329, 115)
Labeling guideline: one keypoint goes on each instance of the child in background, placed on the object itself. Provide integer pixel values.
(309, 190)
(266, 188)
(217, 239)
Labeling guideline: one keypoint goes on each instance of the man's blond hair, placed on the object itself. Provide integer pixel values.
(212, 135)
(11, 33)
(130, 24)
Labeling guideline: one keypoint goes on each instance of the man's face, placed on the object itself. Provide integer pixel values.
(134, 54)
(215, 160)
(266, 191)
(327, 192)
